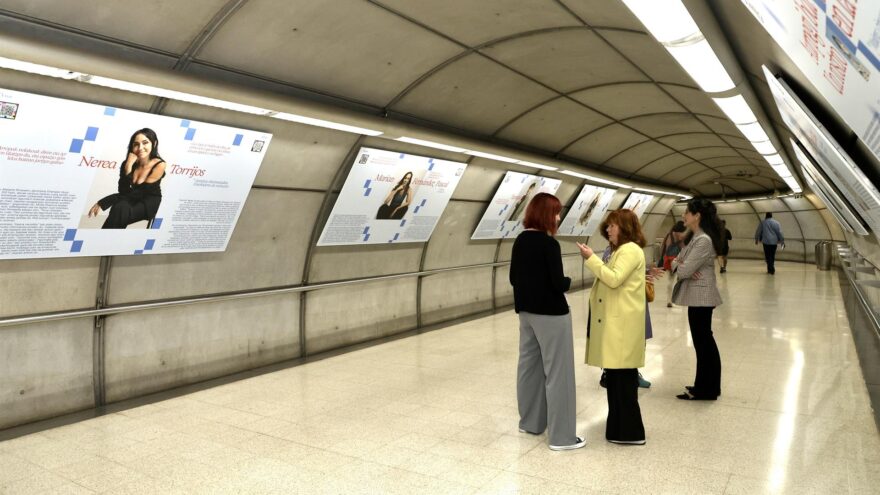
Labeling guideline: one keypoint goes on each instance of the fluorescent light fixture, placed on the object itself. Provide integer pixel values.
(774, 159)
(792, 184)
(753, 132)
(701, 63)
(781, 170)
(667, 20)
(764, 147)
(43, 70)
(656, 191)
(292, 117)
(736, 109)
(594, 179)
(535, 165)
(491, 156)
(431, 144)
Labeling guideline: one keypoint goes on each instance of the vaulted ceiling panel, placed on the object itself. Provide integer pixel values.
(738, 142)
(604, 13)
(701, 153)
(694, 99)
(604, 143)
(666, 123)
(644, 51)
(699, 178)
(565, 60)
(473, 23)
(553, 125)
(740, 186)
(720, 161)
(627, 100)
(692, 140)
(677, 174)
(720, 125)
(167, 25)
(368, 54)
(473, 93)
(637, 156)
(663, 165)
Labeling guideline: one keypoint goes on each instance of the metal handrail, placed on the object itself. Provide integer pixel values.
(228, 296)
(875, 318)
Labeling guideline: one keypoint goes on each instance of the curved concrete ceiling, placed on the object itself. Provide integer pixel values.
(576, 80)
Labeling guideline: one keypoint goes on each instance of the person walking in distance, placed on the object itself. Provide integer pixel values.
(769, 234)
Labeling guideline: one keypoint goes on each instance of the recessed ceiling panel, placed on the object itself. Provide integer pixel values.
(350, 49)
(565, 60)
(637, 156)
(602, 13)
(694, 99)
(662, 166)
(553, 125)
(627, 100)
(473, 23)
(601, 145)
(692, 140)
(167, 25)
(644, 51)
(473, 93)
(667, 123)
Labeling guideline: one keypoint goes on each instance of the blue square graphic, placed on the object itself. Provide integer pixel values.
(109, 111)
(190, 134)
(138, 251)
(69, 234)
(91, 133)
(76, 145)
(157, 223)
(149, 245)
(184, 123)
(237, 140)
(76, 246)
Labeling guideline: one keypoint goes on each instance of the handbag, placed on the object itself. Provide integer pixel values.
(649, 291)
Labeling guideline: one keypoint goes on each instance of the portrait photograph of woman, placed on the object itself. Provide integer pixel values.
(396, 203)
(139, 191)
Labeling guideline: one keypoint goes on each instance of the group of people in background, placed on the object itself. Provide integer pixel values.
(618, 323)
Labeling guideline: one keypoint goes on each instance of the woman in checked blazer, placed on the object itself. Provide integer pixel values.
(697, 289)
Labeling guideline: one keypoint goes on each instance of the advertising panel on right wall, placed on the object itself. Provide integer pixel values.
(638, 203)
(587, 212)
(503, 218)
(836, 44)
(854, 186)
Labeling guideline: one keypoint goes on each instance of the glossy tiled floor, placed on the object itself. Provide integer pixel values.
(437, 413)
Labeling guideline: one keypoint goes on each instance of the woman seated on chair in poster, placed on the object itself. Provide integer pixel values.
(140, 177)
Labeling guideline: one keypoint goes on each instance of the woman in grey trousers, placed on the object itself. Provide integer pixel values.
(545, 389)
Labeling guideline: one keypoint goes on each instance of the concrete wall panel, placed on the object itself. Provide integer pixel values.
(451, 243)
(44, 285)
(347, 262)
(837, 232)
(764, 205)
(45, 370)
(267, 249)
(446, 296)
(503, 289)
(812, 224)
(347, 315)
(789, 224)
(733, 208)
(155, 350)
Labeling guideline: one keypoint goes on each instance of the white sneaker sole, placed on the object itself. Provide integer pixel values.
(580, 443)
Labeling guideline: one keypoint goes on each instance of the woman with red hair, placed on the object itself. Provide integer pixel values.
(616, 330)
(545, 390)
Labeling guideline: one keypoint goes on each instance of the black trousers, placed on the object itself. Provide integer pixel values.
(624, 416)
(707, 382)
(770, 257)
(128, 211)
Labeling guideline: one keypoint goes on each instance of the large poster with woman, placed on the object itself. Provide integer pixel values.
(504, 216)
(78, 179)
(587, 211)
(391, 197)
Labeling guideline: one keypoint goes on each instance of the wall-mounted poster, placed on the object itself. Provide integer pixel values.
(391, 197)
(852, 183)
(836, 44)
(638, 203)
(587, 212)
(78, 179)
(503, 218)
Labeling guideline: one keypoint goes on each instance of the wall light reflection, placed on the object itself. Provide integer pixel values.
(785, 427)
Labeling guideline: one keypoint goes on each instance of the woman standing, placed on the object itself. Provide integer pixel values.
(672, 245)
(616, 340)
(545, 389)
(696, 289)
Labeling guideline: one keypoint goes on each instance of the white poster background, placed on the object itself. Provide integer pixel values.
(503, 218)
(638, 203)
(587, 212)
(837, 165)
(359, 217)
(58, 157)
(836, 44)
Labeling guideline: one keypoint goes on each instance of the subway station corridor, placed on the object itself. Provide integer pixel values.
(436, 413)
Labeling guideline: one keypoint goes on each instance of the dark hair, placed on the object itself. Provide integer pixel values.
(678, 227)
(154, 140)
(768, 215)
(709, 221)
(400, 182)
(541, 213)
(630, 228)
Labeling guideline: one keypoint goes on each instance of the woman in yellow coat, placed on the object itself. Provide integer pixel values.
(616, 330)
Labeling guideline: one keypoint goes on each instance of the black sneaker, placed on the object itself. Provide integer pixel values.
(602, 382)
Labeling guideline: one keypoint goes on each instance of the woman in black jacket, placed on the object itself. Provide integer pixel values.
(545, 388)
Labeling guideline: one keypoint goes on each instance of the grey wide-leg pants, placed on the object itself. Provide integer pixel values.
(545, 389)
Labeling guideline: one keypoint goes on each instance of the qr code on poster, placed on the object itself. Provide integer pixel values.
(8, 110)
